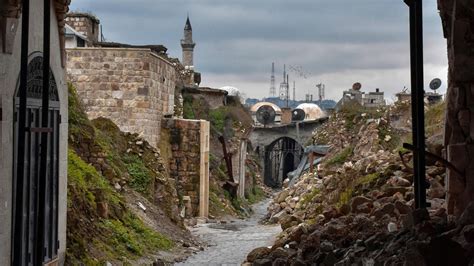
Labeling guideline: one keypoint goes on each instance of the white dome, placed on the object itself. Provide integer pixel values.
(313, 111)
(232, 91)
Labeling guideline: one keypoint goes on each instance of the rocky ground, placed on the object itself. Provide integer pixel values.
(359, 206)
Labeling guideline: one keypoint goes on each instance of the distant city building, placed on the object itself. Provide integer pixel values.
(371, 99)
(433, 97)
(430, 97)
(403, 96)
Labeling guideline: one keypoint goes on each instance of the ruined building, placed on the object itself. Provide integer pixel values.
(24, 216)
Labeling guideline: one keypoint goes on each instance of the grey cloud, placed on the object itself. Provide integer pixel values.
(238, 39)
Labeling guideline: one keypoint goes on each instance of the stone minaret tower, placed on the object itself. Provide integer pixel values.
(188, 45)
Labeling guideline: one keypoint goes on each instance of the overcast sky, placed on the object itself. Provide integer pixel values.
(335, 42)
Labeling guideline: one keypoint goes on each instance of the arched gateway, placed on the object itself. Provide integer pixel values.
(27, 197)
(281, 157)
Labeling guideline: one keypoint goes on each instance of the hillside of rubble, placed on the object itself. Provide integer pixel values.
(233, 122)
(358, 207)
(122, 206)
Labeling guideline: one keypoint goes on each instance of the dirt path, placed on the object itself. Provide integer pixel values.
(230, 243)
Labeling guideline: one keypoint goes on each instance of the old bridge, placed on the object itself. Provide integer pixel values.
(280, 147)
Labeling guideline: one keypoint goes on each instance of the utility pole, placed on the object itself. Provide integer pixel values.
(417, 100)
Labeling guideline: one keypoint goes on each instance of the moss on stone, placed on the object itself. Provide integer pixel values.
(341, 156)
(308, 197)
(345, 197)
(368, 178)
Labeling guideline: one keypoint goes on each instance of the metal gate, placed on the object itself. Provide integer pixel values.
(36, 208)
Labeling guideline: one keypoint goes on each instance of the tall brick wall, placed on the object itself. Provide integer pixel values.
(132, 87)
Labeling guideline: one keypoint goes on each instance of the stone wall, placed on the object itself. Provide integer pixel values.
(131, 86)
(458, 18)
(189, 162)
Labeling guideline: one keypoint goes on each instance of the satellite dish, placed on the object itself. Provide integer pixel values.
(435, 84)
(298, 115)
(266, 114)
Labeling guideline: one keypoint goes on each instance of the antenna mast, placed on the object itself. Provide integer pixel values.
(272, 81)
(287, 89)
(294, 90)
(284, 85)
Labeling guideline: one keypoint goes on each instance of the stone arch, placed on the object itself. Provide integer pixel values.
(281, 157)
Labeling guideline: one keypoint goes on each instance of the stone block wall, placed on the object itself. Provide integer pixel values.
(133, 87)
(189, 164)
(458, 25)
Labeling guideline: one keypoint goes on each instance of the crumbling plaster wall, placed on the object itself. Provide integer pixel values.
(458, 24)
(131, 86)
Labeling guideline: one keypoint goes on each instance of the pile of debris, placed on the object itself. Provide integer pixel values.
(359, 207)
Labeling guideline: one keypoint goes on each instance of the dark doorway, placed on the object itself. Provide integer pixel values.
(25, 238)
(281, 157)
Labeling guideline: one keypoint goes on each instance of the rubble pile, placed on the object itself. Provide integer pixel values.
(359, 207)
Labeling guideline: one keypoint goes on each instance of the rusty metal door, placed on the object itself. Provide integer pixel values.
(32, 205)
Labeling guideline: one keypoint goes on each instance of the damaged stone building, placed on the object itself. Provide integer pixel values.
(20, 214)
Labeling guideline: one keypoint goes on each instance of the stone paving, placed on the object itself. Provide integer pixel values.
(230, 243)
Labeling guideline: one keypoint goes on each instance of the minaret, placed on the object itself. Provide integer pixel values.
(188, 45)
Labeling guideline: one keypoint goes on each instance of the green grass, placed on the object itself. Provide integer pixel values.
(84, 180)
(434, 118)
(188, 110)
(256, 195)
(132, 236)
(142, 178)
(217, 118)
(341, 156)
